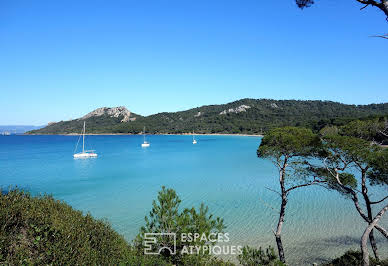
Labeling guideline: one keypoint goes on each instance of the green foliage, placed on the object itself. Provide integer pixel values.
(304, 3)
(351, 149)
(263, 115)
(136, 258)
(346, 179)
(251, 257)
(290, 142)
(329, 131)
(354, 258)
(344, 152)
(166, 217)
(375, 3)
(44, 231)
(95, 124)
(366, 129)
(203, 260)
(378, 173)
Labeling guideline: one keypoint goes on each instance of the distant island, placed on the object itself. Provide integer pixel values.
(246, 116)
(17, 129)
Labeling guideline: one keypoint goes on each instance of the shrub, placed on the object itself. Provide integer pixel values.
(167, 216)
(354, 258)
(251, 256)
(41, 230)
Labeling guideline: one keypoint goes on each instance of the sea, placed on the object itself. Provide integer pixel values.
(223, 172)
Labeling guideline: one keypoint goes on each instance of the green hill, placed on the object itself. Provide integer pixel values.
(247, 116)
(101, 120)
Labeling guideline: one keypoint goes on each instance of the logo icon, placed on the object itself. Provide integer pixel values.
(157, 243)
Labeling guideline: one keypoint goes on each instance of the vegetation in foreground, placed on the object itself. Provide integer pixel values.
(41, 231)
(168, 216)
(252, 256)
(354, 258)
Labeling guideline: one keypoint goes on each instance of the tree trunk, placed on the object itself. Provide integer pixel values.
(365, 236)
(279, 230)
(362, 214)
(282, 172)
(364, 190)
(374, 245)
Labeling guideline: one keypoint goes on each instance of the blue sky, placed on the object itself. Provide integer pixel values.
(62, 59)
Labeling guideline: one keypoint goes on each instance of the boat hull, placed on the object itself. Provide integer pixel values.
(145, 145)
(82, 155)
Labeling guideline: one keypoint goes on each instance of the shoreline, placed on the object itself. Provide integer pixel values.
(131, 134)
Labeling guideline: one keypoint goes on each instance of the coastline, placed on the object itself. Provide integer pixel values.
(161, 134)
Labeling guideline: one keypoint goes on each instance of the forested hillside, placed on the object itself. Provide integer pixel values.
(247, 116)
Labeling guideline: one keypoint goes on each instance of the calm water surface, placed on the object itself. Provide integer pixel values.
(222, 171)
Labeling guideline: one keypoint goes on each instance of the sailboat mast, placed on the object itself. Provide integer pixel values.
(83, 139)
(144, 134)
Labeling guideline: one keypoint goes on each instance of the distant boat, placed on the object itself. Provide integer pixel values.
(145, 143)
(6, 133)
(194, 140)
(84, 153)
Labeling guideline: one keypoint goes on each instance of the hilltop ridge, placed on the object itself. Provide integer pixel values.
(247, 116)
(120, 111)
(100, 120)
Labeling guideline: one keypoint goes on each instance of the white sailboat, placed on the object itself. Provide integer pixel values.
(145, 143)
(194, 140)
(84, 153)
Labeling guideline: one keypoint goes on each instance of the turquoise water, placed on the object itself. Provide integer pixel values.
(222, 171)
